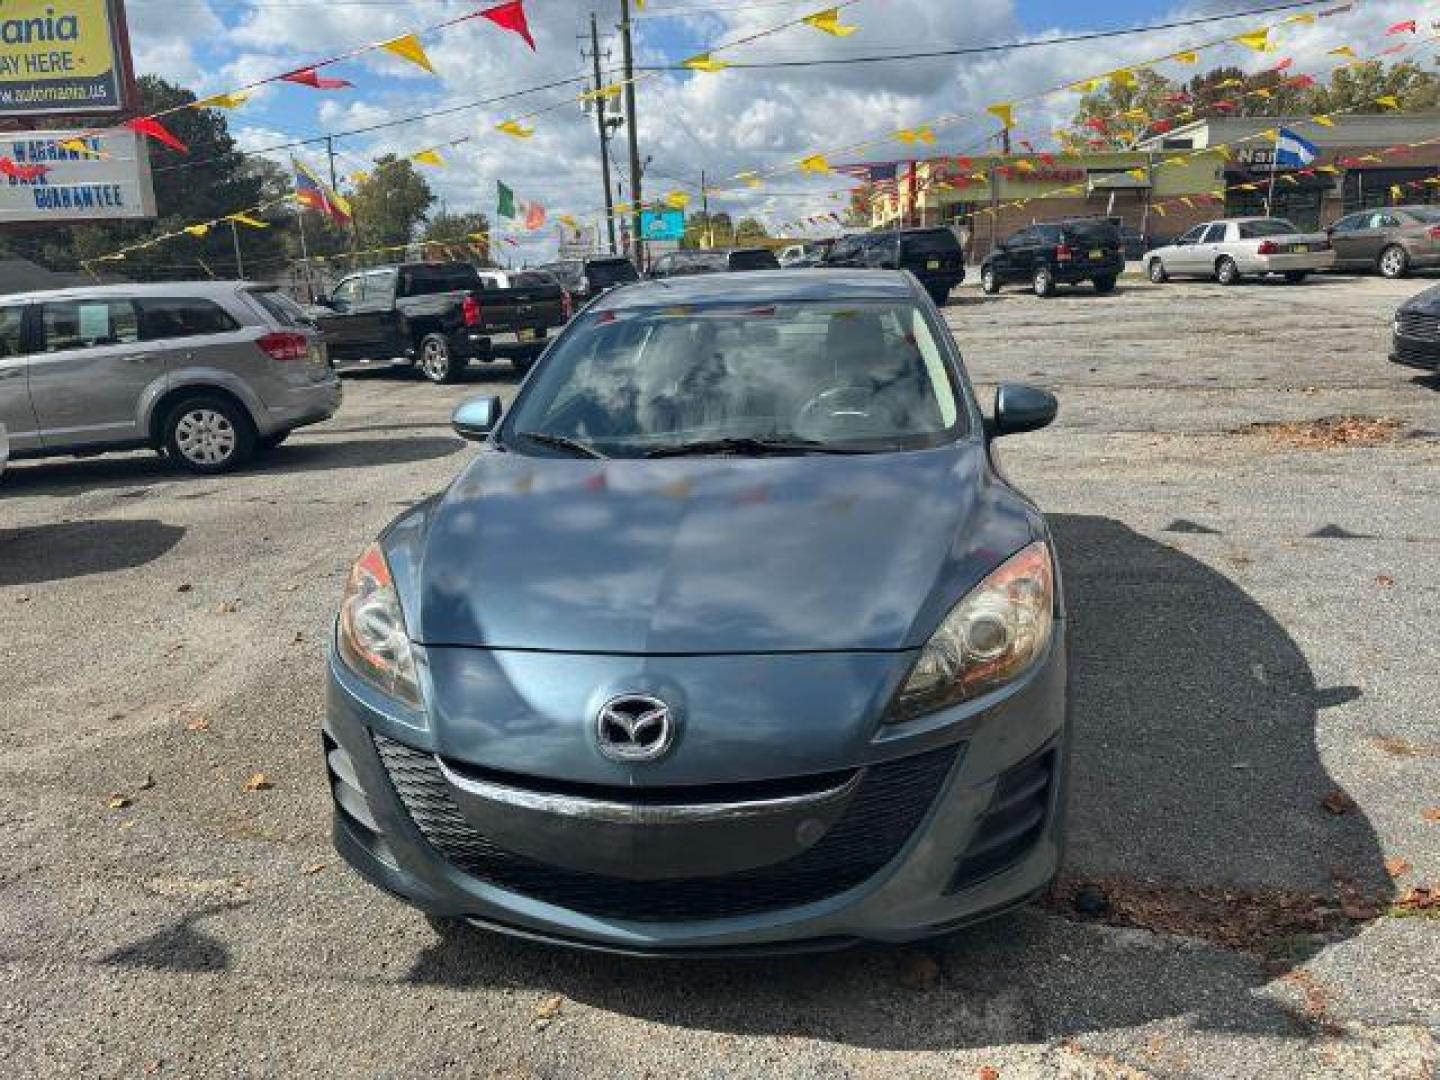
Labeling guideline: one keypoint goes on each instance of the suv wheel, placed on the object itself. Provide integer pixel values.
(1044, 281)
(989, 283)
(1157, 272)
(208, 435)
(435, 361)
(1104, 284)
(1394, 262)
(1226, 272)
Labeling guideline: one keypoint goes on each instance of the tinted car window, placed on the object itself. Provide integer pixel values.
(280, 307)
(12, 325)
(82, 324)
(753, 260)
(1193, 236)
(931, 242)
(1249, 230)
(870, 375)
(349, 291)
(1351, 223)
(569, 274)
(531, 278)
(1214, 234)
(426, 280)
(607, 272)
(182, 317)
(1093, 232)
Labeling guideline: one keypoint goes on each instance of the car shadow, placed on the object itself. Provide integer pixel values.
(69, 476)
(1426, 382)
(42, 553)
(1195, 767)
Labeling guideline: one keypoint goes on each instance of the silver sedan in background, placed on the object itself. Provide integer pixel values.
(1234, 248)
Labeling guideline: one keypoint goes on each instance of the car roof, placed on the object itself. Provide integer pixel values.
(138, 289)
(763, 286)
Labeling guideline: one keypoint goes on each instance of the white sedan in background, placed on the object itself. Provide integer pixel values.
(1234, 248)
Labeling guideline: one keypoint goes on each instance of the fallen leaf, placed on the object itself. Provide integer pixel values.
(117, 801)
(1337, 802)
(988, 1072)
(258, 782)
(1420, 898)
(1396, 866)
(1431, 813)
(314, 868)
(1384, 581)
(549, 1008)
(184, 586)
(194, 721)
(23, 598)
(298, 638)
(1359, 910)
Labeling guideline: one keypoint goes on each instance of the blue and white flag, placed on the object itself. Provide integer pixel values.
(1294, 151)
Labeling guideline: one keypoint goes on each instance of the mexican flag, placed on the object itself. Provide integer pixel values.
(506, 200)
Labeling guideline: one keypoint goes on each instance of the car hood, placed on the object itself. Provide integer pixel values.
(705, 555)
(1426, 303)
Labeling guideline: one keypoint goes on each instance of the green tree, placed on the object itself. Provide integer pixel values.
(749, 229)
(209, 181)
(716, 230)
(459, 231)
(1354, 89)
(1114, 115)
(390, 204)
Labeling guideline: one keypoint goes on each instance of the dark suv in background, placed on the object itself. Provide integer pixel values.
(712, 261)
(1051, 253)
(933, 255)
(584, 278)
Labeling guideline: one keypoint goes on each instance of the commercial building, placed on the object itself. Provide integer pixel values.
(1166, 184)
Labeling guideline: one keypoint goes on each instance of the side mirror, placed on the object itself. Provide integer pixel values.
(1019, 408)
(474, 418)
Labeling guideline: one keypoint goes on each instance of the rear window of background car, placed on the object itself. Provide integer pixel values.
(1093, 232)
(12, 323)
(183, 317)
(1250, 230)
(82, 324)
(426, 280)
(935, 242)
(612, 271)
(753, 260)
(284, 310)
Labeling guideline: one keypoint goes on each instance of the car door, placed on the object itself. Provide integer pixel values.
(378, 323)
(1019, 254)
(1379, 232)
(341, 322)
(17, 415)
(1180, 258)
(1345, 238)
(89, 372)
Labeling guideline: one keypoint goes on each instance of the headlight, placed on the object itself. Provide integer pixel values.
(371, 638)
(989, 638)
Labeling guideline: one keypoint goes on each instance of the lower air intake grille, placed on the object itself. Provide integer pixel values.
(892, 800)
(1013, 823)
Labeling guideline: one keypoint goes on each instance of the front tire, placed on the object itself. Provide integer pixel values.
(435, 360)
(1104, 284)
(989, 283)
(1394, 262)
(1043, 282)
(208, 434)
(1226, 272)
(1157, 272)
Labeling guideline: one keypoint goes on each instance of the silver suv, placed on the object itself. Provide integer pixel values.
(207, 372)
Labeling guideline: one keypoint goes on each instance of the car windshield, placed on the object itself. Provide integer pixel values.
(935, 242)
(1249, 230)
(612, 272)
(801, 376)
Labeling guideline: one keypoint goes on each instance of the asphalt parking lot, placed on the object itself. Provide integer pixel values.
(1256, 798)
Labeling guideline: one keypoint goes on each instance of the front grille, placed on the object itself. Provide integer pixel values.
(888, 806)
(1013, 823)
(1415, 354)
(1414, 324)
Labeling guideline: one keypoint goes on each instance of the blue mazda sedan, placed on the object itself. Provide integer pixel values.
(731, 636)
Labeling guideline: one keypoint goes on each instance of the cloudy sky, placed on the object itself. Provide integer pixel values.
(724, 123)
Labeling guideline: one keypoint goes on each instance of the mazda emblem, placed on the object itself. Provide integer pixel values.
(634, 727)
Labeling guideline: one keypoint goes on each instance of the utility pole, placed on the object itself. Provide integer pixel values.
(239, 262)
(330, 150)
(627, 57)
(604, 137)
(705, 209)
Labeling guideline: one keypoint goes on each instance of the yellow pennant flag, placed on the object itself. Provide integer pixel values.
(815, 163)
(1388, 101)
(1323, 121)
(1186, 56)
(1159, 208)
(1227, 84)
(704, 62)
(1245, 187)
(677, 200)
(246, 219)
(428, 157)
(1331, 169)
(359, 177)
(1087, 86)
(408, 47)
(197, 230)
(567, 220)
(910, 136)
(1187, 201)
(1004, 111)
(1259, 40)
(829, 21)
(1341, 50)
(1137, 174)
(606, 92)
(515, 129)
(1025, 166)
(1397, 194)
(1307, 18)
(1270, 135)
(232, 100)
(623, 208)
(1261, 92)
(750, 179)
(1121, 78)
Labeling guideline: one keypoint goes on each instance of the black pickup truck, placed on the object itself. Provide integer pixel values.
(437, 316)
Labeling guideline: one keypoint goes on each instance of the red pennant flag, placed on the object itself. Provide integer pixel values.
(1225, 105)
(510, 16)
(155, 130)
(1393, 49)
(1096, 122)
(963, 162)
(16, 171)
(310, 77)
(1300, 82)
(1402, 27)
(1283, 64)
(1162, 126)
(1028, 145)
(1048, 158)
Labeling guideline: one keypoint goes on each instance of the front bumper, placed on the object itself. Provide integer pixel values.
(953, 818)
(1414, 353)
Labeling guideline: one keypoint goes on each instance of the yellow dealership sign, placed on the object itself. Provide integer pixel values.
(62, 56)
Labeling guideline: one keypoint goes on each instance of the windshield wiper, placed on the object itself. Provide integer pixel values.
(749, 445)
(561, 442)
